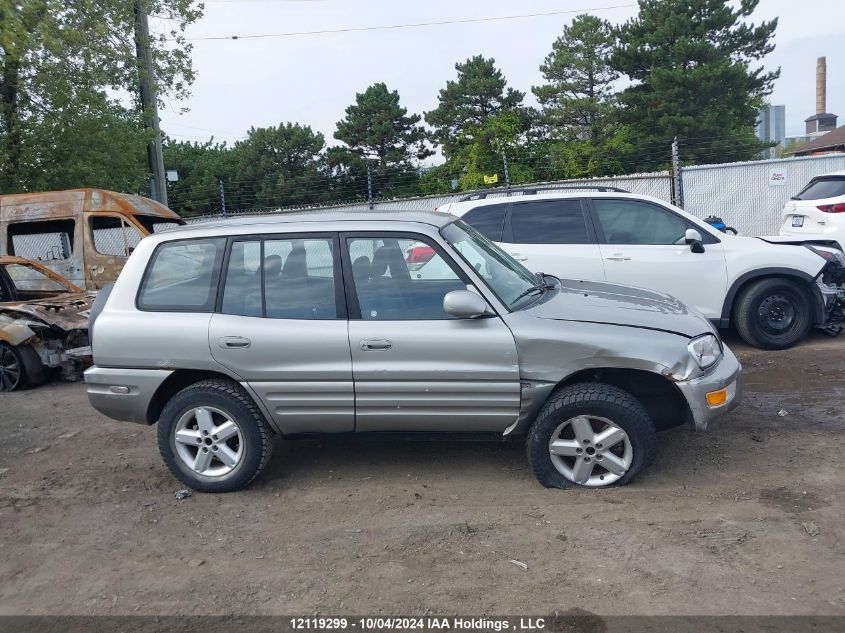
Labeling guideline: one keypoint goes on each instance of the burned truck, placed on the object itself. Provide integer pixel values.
(43, 325)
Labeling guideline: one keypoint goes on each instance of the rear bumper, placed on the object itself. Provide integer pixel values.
(726, 375)
(123, 394)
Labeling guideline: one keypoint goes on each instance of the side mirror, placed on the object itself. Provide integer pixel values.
(693, 238)
(464, 304)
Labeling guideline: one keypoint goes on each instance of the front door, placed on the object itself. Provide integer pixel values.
(415, 367)
(110, 241)
(643, 245)
(282, 328)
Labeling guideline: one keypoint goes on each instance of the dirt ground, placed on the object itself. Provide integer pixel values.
(748, 518)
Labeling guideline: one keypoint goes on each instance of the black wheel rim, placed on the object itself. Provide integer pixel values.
(778, 313)
(10, 369)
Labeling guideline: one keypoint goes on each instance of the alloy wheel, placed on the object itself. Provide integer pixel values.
(591, 451)
(208, 441)
(10, 369)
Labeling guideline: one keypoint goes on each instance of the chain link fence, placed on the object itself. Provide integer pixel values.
(748, 196)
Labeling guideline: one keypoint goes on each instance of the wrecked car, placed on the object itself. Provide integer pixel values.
(84, 235)
(43, 325)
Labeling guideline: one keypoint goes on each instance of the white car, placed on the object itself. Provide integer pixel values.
(773, 289)
(818, 209)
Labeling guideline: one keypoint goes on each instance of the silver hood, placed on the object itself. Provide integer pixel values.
(613, 304)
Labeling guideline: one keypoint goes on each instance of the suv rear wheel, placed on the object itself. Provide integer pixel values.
(591, 435)
(213, 438)
(773, 314)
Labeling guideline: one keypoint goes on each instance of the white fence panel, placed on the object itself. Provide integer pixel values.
(750, 196)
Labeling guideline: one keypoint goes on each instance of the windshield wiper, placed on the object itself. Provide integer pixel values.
(540, 287)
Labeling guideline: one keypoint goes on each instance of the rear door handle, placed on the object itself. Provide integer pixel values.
(619, 257)
(519, 257)
(234, 342)
(376, 344)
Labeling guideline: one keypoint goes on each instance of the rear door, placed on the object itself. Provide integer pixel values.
(554, 236)
(281, 325)
(416, 368)
(643, 244)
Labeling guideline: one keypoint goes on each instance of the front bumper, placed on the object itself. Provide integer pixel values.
(726, 374)
(123, 394)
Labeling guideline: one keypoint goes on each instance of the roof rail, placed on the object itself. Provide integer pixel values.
(481, 195)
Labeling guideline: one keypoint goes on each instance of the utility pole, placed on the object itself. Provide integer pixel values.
(149, 103)
(507, 173)
(223, 200)
(677, 180)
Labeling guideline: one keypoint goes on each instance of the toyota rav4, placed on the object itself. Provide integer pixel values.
(324, 322)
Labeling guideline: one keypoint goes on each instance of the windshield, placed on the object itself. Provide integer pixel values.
(506, 277)
(155, 224)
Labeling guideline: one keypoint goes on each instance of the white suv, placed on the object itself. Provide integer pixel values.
(818, 209)
(773, 290)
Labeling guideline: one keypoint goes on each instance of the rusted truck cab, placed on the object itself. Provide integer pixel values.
(84, 235)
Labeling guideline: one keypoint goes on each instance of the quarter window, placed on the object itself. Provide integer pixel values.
(182, 276)
(549, 222)
(400, 279)
(291, 278)
(488, 220)
(635, 222)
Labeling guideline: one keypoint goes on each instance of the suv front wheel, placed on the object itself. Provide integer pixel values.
(592, 435)
(213, 438)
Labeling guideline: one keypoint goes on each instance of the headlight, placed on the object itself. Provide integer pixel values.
(705, 350)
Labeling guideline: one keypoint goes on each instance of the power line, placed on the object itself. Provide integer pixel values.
(409, 26)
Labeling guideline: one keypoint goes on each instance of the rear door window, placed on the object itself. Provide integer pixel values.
(183, 276)
(550, 222)
(488, 220)
(290, 278)
(825, 187)
(44, 241)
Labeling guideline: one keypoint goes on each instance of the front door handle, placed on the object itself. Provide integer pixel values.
(618, 257)
(376, 345)
(519, 257)
(234, 342)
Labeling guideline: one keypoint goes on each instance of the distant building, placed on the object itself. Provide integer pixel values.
(827, 143)
(771, 126)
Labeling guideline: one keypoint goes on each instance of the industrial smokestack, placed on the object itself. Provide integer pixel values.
(821, 85)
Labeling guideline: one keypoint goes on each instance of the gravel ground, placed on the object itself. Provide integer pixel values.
(748, 518)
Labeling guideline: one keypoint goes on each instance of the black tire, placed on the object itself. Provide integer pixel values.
(773, 313)
(591, 399)
(36, 373)
(230, 398)
(12, 370)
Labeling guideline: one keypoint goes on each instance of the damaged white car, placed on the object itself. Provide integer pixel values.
(43, 325)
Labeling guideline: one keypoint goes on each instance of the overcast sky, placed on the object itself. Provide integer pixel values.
(311, 79)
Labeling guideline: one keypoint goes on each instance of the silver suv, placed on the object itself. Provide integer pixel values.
(328, 322)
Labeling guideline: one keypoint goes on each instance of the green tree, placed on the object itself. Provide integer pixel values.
(58, 58)
(466, 105)
(201, 168)
(376, 127)
(694, 73)
(577, 123)
(280, 166)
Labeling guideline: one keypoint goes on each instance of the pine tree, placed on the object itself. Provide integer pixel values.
(693, 64)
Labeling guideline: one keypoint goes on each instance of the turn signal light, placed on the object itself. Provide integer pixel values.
(839, 207)
(715, 398)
